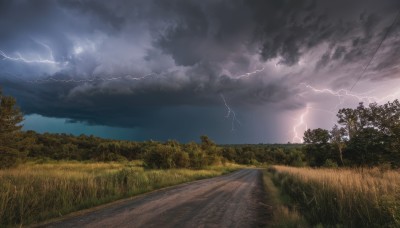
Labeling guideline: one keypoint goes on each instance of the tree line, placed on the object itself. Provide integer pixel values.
(363, 136)
(17, 146)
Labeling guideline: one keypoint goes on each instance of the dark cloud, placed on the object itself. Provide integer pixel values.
(324, 60)
(287, 27)
(339, 52)
(195, 51)
(101, 12)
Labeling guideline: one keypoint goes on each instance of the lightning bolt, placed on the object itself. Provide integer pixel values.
(92, 79)
(301, 122)
(341, 94)
(50, 60)
(230, 113)
(362, 97)
(39, 60)
(249, 74)
(20, 58)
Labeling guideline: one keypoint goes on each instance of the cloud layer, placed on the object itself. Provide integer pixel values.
(160, 67)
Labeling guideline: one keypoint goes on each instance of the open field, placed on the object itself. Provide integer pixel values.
(35, 192)
(344, 197)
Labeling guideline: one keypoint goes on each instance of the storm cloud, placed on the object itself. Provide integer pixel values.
(162, 67)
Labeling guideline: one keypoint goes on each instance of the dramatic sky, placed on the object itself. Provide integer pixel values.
(240, 71)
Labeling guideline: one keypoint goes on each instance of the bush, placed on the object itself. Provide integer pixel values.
(166, 157)
(9, 157)
(198, 159)
(329, 163)
(181, 159)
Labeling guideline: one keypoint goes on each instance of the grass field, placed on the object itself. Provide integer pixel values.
(278, 214)
(342, 197)
(34, 192)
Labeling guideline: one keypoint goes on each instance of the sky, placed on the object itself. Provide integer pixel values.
(239, 71)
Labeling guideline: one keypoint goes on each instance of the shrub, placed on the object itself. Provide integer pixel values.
(329, 163)
(166, 157)
(198, 159)
(9, 157)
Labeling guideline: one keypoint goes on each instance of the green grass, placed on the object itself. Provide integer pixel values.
(280, 215)
(342, 197)
(35, 192)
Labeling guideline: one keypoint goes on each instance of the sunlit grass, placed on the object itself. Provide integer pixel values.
(34, 192)
(353, 198)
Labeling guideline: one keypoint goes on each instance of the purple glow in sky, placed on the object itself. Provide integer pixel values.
(171, 69)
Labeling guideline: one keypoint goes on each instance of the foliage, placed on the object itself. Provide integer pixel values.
(316, 136)
(12, 145)
(368, 136)
(318, 149)
(166, 157)
(172, 155)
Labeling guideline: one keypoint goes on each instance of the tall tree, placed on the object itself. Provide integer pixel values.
(367, 148)
(316, 136)
(10, 131)
(318, 148)
(338, 140)
(349, 118)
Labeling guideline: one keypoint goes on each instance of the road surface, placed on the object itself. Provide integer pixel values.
(233, 200)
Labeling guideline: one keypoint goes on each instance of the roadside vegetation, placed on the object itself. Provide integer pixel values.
(280, 213)
(35, 192)
(342, 197)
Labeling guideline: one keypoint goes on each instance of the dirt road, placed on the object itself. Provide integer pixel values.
(232, 200)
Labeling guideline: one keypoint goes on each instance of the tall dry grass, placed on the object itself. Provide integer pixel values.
(344, 197)
(277, 213)
(35, 192)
